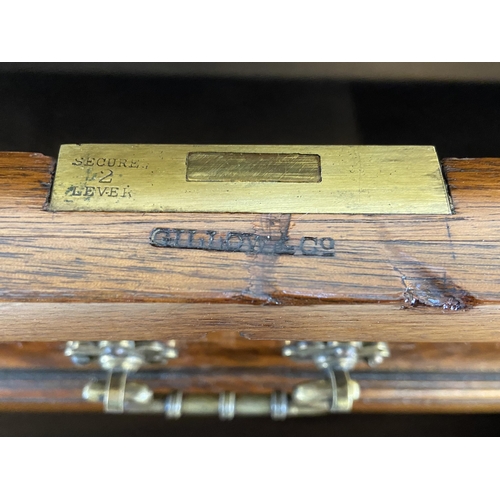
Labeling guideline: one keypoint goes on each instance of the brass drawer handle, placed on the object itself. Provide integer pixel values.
(334, 393)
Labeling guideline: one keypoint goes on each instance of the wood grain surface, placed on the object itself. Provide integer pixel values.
(96, 276)
(233, 351)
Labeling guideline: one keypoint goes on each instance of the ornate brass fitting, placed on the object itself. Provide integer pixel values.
(336, 359)
(119, 359)
(333, 394)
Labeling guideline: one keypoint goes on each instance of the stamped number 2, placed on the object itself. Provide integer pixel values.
(107, 178)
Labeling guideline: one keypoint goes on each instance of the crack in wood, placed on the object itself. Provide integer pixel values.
(433, 291)
(262, 286)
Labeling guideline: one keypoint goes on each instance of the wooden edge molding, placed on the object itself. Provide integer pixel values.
(31, 321)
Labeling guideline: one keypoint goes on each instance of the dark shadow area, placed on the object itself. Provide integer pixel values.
(38, 112)
(461, 120)
(48, 424)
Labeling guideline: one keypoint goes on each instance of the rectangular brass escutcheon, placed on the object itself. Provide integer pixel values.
(261, 179)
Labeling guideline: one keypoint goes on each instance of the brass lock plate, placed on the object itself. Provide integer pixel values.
(253, 179)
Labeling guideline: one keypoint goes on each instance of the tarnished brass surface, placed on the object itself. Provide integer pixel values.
(253, 167)
(154, 178)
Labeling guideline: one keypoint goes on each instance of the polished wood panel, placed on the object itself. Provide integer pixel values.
(95, 275)
(233, 351)
(161, 321)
